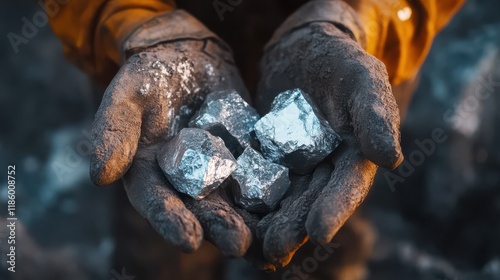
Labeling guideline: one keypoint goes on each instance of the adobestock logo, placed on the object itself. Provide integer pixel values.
(121, 276)
(425, 148)
(225, 6)
(39, 19)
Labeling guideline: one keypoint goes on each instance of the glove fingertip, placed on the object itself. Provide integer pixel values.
(236, 243)
(188, 235)
(105, 173)
(318, 232)
(395, 161)
(97, 175)
(281, 260)
(281, 243)
(112, 155)
(190, 245)
(221, 224)
(172, 221)
(386, 154)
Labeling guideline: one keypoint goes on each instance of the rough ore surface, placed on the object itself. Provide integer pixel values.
(259, 183)
(295, 133)
(227, 115)
(196, 162)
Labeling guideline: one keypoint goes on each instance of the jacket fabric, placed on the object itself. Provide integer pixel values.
(398, 32)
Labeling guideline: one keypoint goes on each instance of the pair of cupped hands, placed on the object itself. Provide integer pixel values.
(159, 88)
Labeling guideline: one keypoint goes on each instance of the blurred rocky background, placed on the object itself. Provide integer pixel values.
(46, 110)
(439, 219)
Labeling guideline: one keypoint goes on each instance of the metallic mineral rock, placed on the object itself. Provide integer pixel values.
(295, 133)
(227, 115)
(196, 162)
(260, 184)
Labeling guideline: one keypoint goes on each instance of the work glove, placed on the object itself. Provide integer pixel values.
(320, 50)
(170, 64)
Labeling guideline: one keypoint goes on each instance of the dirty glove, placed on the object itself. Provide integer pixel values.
(173, 63)
(320, 50)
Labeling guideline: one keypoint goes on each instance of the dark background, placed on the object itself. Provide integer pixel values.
(442, 222)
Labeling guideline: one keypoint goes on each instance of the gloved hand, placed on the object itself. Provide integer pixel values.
(152, 97)
(351, 87)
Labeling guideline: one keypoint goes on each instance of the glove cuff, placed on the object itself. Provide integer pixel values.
(171, 26)
(334, 11)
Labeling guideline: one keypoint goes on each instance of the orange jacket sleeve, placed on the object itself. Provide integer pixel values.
(400, 32)
(92, 31)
